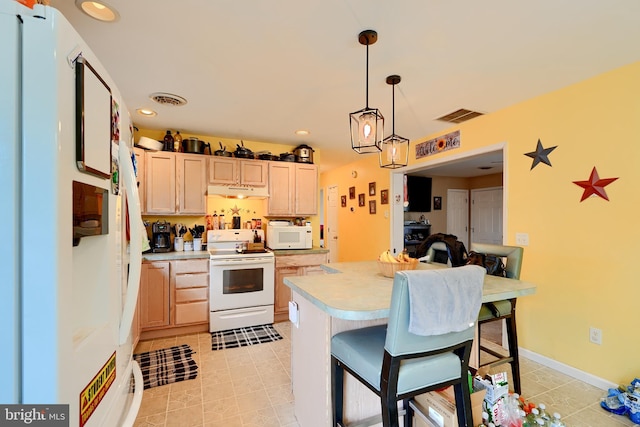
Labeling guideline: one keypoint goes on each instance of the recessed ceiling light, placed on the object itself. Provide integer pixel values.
(146, 112)
(302, 132)
(98, 10)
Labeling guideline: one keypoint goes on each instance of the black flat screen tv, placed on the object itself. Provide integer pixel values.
(418, 193)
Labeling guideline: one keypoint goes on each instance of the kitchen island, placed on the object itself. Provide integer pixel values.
(353, 295)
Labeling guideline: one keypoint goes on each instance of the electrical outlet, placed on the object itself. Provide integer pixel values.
(595, 335)
(522, 239)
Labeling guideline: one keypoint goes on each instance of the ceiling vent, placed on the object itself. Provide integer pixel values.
(459, 116)
(168, 99)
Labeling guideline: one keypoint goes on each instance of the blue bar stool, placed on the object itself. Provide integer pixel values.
(505, 309)
(425, 345)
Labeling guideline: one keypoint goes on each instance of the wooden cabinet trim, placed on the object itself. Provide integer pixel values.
(300, 260)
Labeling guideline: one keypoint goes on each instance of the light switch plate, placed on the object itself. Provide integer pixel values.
(522, 239)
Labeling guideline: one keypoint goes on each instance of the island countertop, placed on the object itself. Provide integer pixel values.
(358, 291)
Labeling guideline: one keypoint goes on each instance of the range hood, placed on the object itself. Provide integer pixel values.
(238, 192)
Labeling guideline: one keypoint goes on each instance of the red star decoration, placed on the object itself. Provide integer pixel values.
(594, 186)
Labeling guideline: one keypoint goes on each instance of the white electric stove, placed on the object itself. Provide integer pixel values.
(241, 282)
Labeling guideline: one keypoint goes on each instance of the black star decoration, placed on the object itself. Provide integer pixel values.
(594, 186)
(540, 155)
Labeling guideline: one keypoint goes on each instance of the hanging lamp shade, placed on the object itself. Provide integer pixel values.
(394, 150)
(367, 125)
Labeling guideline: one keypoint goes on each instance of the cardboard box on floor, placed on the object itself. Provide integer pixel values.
(440, 408)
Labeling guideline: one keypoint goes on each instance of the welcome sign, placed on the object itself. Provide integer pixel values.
(439, 144)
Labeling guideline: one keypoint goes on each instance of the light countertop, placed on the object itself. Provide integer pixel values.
(173, 255)
(313, 250)
(357, 290)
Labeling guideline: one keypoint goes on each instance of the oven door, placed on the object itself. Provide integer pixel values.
(241, 282)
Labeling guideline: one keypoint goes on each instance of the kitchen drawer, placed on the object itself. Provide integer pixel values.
(196, 280)
(193, 312)
(192, 294)
(192, 266)
(300, 260)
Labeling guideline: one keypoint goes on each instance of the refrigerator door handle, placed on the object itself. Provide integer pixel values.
(135, 251)
(137, 394)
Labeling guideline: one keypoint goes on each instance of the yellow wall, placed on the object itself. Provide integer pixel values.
(581, 254)
(362, 235)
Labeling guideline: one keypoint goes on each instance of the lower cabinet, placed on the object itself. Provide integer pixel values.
(191, 291)
(173, 294)
(154, 295)
(293, 265)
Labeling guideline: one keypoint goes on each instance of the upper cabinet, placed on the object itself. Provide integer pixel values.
(293, 189)
(191, 183)
(140, 177)
(228, 171)
(175, 183)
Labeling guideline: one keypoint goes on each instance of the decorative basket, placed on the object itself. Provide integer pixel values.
(388, 269)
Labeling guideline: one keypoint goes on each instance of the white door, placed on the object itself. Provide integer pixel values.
(331, 235)
(486, 215)
(458, 215)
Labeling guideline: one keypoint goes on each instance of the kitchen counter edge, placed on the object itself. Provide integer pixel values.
(170, 256)
(357, 291)
(314, 250)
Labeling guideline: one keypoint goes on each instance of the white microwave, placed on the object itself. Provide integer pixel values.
(289, 236)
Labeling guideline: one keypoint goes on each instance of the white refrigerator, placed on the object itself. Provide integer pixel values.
(70, 252)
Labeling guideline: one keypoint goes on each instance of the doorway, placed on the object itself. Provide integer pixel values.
(486, 215)
(458, 215)
(468, 164)
(331, 233)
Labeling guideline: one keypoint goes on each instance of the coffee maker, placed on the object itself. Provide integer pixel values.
(161, 240)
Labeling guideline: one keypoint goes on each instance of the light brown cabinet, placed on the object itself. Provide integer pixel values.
(174, 297)
(175, 183)
(226, 171)
(154, 295)
(140, 177)
(160, 182)
(293, 189)
(293, 265)
(191, 291)
(191, 185)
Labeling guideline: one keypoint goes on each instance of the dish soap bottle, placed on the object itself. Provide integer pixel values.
(214, 221)
(177, 142)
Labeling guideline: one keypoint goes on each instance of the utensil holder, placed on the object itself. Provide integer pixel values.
(197, 243)
(178, 244)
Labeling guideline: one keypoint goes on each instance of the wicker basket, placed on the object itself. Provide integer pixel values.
(388, 269)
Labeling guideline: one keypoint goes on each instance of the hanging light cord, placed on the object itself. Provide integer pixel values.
(366, 88)
(393, 109)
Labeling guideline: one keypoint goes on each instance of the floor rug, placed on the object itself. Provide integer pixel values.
(240, 337)
(167, 366)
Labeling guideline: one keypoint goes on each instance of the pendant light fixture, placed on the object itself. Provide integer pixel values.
(367, 125)
(395, 149)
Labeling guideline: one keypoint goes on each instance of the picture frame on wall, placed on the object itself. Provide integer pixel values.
(372, 207)
(343, 201)
(352, 192)
(361, 199)
(437, 203)
(372, 188)
(384, 197)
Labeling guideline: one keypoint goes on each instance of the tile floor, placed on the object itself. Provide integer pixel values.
(250, 386)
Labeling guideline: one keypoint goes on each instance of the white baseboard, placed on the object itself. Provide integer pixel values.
(567, 370)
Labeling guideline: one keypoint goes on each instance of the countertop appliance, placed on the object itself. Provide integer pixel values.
(161, 240)
(304, 153)
(241, 282)
(284, 235)
(70, 265)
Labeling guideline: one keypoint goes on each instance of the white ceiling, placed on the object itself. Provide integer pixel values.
(259, 70)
